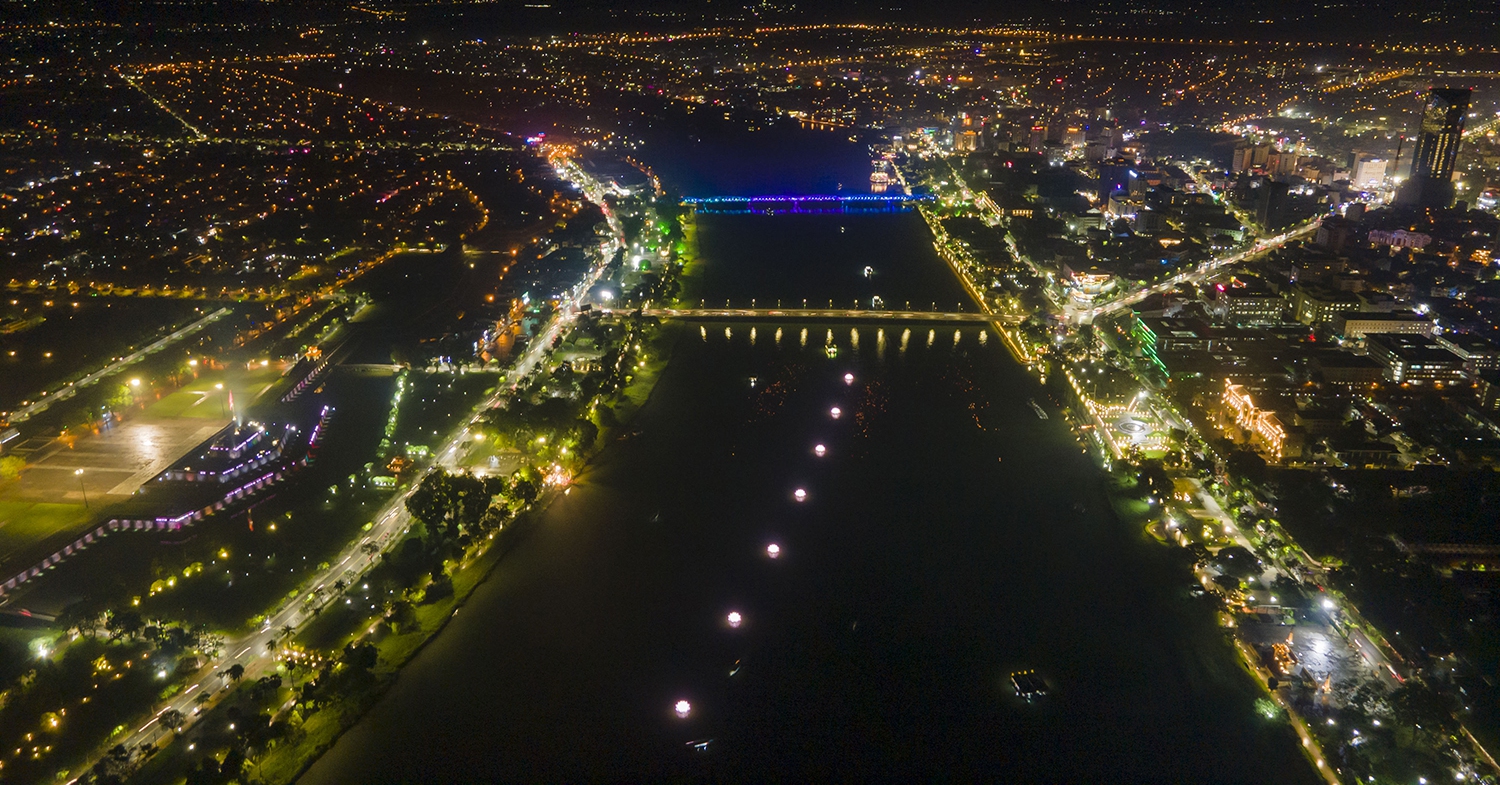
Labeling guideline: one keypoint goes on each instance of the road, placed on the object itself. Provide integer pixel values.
(1199, 272)
(255, 651)
(26, 412)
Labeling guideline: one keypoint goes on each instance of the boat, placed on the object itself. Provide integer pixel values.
(1041, 414)
(832, 351)
(1029, 686)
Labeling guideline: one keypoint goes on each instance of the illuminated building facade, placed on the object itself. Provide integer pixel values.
(1085, 284)
(1441, 130)
(1264, 424)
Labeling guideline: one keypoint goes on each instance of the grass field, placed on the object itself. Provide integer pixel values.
(24, 523)
(18, 650)
(200, 398)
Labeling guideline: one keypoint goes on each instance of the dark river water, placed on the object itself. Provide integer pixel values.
(701, 155)
(948, 538)
(822, 261)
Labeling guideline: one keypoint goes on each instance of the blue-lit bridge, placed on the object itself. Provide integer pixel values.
(805, 205)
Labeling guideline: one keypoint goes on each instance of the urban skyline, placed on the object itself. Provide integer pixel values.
(451, 392)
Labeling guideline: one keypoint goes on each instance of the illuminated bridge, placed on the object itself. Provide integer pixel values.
(818, 313)
(805, 205)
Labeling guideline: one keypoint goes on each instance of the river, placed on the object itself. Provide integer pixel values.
(948, 538)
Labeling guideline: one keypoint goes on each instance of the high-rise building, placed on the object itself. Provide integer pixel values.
(1442, 128)
(1270, 204)
(1037, 139)
(1249, 156)
(1436, 148)
(1369, 171)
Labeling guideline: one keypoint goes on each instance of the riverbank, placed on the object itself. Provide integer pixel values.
(575, 390)
(311, 733)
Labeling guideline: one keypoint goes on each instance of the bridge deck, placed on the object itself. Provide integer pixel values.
(818, 313)
(807, 204)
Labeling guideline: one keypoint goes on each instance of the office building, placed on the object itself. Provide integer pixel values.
(1415, 359)
(1479, 355)
(1270, 204)
(1357, 324)
(1318, 305)
(1436, 148)
(1369, 171)
(1252, 304)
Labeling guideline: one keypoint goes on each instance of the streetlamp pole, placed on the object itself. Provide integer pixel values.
(85, 491)
(220, 388)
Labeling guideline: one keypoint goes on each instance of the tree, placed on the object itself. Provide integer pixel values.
(360, 658)
(429, 502)
(1248, 465)
(493, 518)
(266, 687)
(471, 498)
(1289, 591)
(585, 432)
(83, 616)
(234, 763)
(524, 491)
(173, 719)
(235, 672)
(1420, 707)
(1153, 480)
(123, 623)
(1237, 562)
(10, 467)
(441, 586)
(205, 773)
(402, 616)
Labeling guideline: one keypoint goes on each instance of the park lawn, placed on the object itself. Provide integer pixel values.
(17, 650)
(190, 401)
(1134, 512)
(25, 523)
(287, 761)
(199, 397)
(491, 458)
(643, 380)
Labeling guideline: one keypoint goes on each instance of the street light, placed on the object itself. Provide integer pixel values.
(220, 388)
(79, 474)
